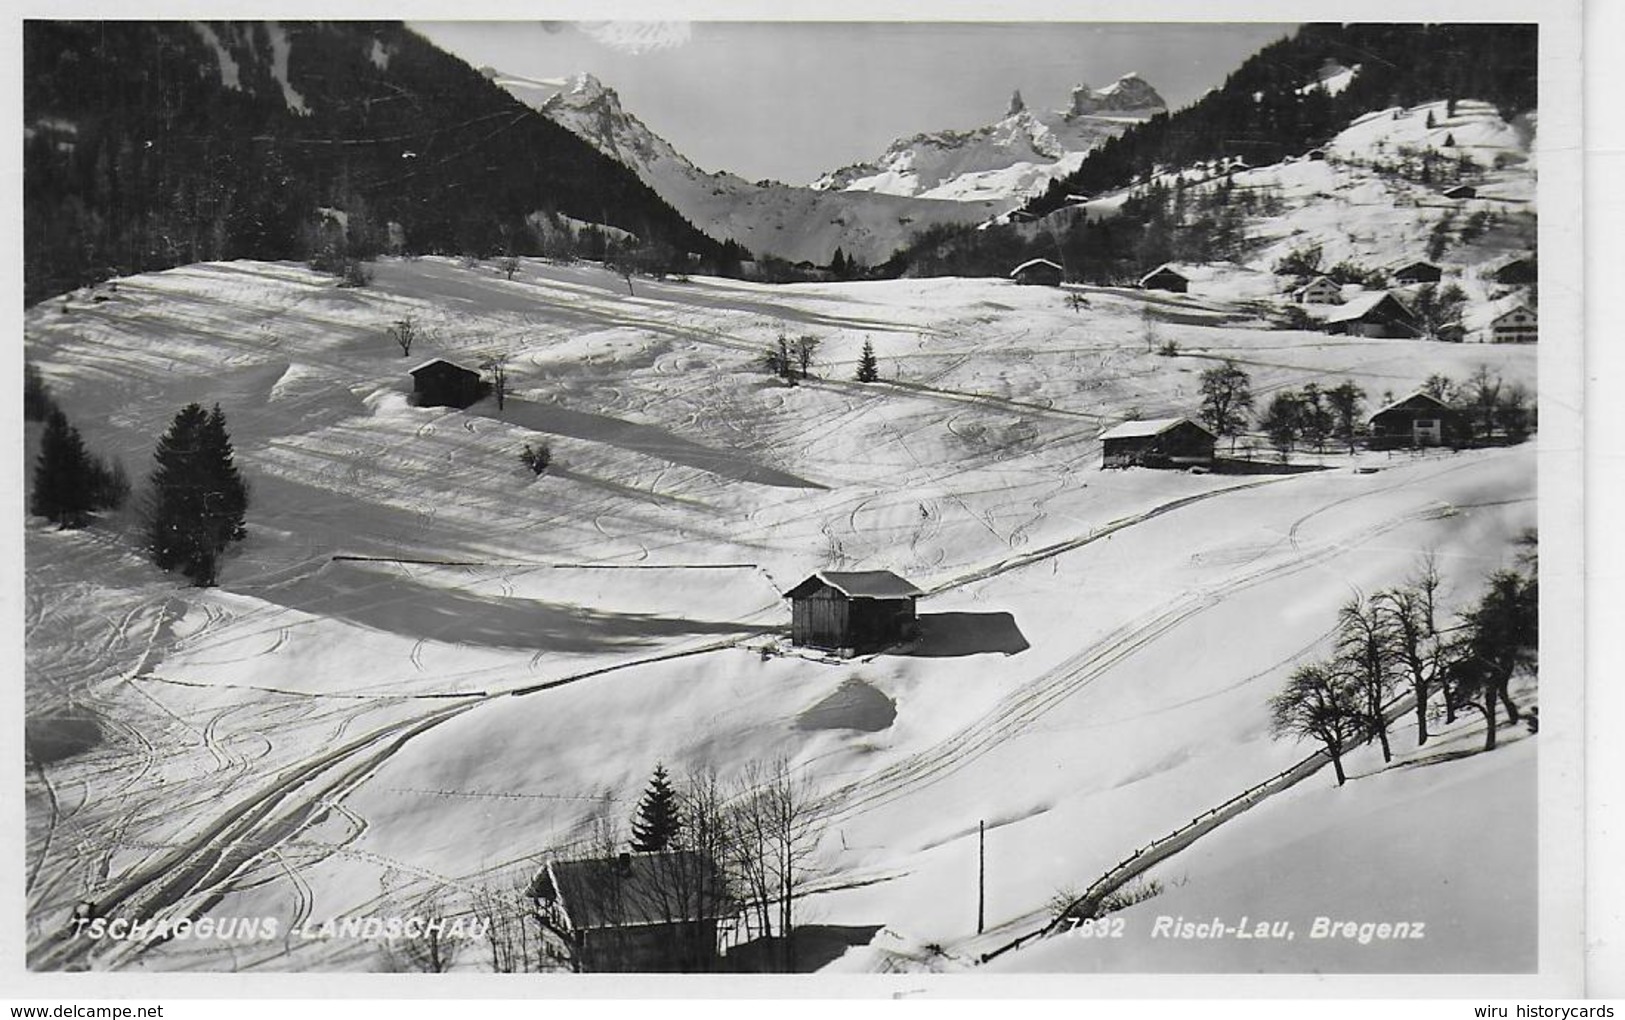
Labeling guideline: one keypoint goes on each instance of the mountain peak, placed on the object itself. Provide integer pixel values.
(1017, 104)
(1128, 93)
(585, 86)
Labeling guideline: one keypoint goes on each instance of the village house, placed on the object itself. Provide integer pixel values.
(638, 912)
(852, 612)
(1038, 271)
(1517, 325)
(1165, 277)
(1418, 420)
(439, 383)
(1319, 291)
(1158, 442)
(1417, 272)
(1379, 315)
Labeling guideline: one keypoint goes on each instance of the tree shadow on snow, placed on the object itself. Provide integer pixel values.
(949, 635)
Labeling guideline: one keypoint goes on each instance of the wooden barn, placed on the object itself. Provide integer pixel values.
(1038, 271)
(1316, 154)
(1319, 291)
(1417, 272)
(1165, 278)
(1461, 191)
(1516, 272)
(439, 383)
(1159, 442)
(638, 912)
(1375, 315)
(1416, 421)
(1517, 325)
(852, 612)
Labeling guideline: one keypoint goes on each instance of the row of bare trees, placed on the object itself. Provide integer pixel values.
(1393, 641)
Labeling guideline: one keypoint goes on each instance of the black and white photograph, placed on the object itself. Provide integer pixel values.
(941, 500)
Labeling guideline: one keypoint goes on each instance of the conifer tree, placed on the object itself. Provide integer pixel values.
(868, 367)
(658, 817)
(64, 491)
(198, 498)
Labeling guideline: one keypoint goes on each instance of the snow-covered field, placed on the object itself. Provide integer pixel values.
(426, 668)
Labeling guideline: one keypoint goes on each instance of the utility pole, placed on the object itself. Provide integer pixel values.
(981, 875)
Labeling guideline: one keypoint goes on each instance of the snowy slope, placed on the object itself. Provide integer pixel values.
(1355, 208)
(324, 736)
(769, 218)
(1373, 845)
(1009, 159)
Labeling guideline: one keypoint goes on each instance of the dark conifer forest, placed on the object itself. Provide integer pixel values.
(154, 144)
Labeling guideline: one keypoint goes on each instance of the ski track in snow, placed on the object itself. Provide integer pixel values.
(215, 776)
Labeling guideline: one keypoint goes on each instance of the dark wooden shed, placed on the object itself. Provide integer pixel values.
(439, 383)
(1517, 271)
(1417, 272)
(1461, 191)
(852, 612)
(1165, 278)
(1416, 421)
(1037, 271)
(638, 912)
(1157, 442)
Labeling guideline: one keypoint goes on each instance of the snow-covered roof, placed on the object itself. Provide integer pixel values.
(1320, 282)
(1359, 306)
(860, 584)
(1483, 315)
(1031, 263)
(1407, 398)
(435, 361)
(1145, 427)
(633, 890)
(1166, 267)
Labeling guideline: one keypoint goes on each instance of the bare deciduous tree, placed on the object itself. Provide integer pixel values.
(1417, 648)
(497, 365)
(1365, 654)
(1320, 704)
(404, 332)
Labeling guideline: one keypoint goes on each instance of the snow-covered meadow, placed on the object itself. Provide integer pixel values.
(427, 668)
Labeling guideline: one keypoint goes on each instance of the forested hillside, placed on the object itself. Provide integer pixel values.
(1183, 201)
(1263, 113)
(153, 144)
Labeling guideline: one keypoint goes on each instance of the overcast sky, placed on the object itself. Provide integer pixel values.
(791, 100)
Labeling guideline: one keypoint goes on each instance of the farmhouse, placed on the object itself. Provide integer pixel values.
(645, 912)
(1461, 191)
(852, 612)
(1159, 442)
(1516, 271)
(1164, 278)
(1037, 271)
(1417, 272)
(1518, 325)
(1374, 315)
(1319, 291)
(439, 383)
(1415, 421)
